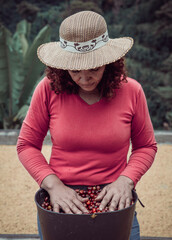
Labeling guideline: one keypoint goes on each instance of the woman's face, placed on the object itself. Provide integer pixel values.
(87, 80)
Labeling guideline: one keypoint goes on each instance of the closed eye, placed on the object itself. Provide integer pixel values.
(94, 69)
(75, 71)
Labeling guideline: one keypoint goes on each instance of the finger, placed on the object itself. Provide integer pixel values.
(56, 207)
(128, 202)
(74, 208)
(66, 207)
(80, 206)
(113, 204)
(122, 203)
(107, 198)
(101, 194)
(81, 199)
(75, 205)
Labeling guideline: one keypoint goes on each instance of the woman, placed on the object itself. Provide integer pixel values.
(92, 110)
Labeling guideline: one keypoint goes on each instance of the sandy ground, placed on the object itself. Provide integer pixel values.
(18, 209)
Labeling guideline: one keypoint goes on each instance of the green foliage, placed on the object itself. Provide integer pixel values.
(32, 65)
(146, 75)
(167, 65)
(158, 98)
(77, 5)
(129, 3)
(169, 117)
(149, 61)
(27, 10)
(165, 11)
(166, 94)
(154, 36)
(148, 56)
(19, 70)
(53, 17)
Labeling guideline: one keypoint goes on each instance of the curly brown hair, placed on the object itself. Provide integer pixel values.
(114, 75)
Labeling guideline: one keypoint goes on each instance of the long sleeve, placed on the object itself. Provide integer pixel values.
(144, 146)
(32, 133)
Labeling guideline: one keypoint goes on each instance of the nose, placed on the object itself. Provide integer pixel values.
(84, 76)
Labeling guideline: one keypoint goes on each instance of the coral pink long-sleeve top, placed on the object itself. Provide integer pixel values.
(90, 143)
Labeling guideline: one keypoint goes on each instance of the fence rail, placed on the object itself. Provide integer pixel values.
(9, 137)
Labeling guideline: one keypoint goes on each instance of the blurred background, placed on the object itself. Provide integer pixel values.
(24, 25)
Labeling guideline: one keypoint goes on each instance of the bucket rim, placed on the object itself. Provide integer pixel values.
(85, 214)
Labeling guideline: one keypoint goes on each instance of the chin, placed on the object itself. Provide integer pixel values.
(89, 88)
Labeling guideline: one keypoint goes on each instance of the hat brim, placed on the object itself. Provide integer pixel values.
(52, 55)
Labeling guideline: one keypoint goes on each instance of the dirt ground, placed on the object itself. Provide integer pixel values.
(18, 209)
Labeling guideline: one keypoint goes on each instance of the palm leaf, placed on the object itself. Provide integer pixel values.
(20, 43)
(5, 71)
(20, 47)
(23, 110)
(32, 66)
(21, 113)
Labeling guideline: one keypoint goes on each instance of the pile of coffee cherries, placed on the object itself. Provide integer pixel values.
(91, 205)
(46, 204)
(91, 193)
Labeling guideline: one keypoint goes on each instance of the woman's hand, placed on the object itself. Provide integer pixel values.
(117, 194)
(63, 197)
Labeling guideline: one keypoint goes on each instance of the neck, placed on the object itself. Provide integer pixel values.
(90, 96)
(93, 92)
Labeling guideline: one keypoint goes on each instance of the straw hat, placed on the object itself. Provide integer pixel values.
(84, 44)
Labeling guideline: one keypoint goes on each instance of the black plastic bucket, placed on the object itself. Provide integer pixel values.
(104, 226)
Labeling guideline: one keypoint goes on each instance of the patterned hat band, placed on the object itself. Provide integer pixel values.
(83, 47)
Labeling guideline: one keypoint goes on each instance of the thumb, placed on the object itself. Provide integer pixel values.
(101, 194)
